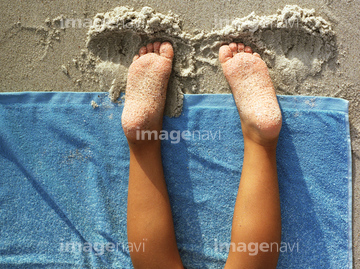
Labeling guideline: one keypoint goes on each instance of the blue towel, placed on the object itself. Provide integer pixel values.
(64, 177)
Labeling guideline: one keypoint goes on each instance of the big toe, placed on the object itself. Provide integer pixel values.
(166, 50)
(225, 53)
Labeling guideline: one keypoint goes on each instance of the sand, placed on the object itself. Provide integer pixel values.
(294, 42)
(319, 56)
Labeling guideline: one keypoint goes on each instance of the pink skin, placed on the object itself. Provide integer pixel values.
(146, 89)
(253, 92)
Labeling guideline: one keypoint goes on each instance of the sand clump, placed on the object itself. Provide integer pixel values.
(94, 104)
(294, 42)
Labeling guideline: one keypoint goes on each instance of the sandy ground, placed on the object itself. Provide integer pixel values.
(37, 55)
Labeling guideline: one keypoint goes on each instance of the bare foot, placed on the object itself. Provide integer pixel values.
(146, 90)
(253, 92)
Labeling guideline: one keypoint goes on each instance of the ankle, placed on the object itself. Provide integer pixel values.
(138, 146)
(268, 145)
(139, 130)
(265, 135)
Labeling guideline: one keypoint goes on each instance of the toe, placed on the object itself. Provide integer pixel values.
(136, 57)
(241, 47)
(166, 50)
(257, 54)
(225, 53)
(248, 49)
(142, 51)
(150, 47)
(157, 47)
(233, 48)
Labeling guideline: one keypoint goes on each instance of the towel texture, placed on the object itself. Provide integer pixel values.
(64, 176)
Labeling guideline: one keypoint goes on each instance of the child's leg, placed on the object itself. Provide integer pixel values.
(256, 226)
(149, 220)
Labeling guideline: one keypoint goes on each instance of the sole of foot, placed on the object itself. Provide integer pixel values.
(145, 94)
(254, 93)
